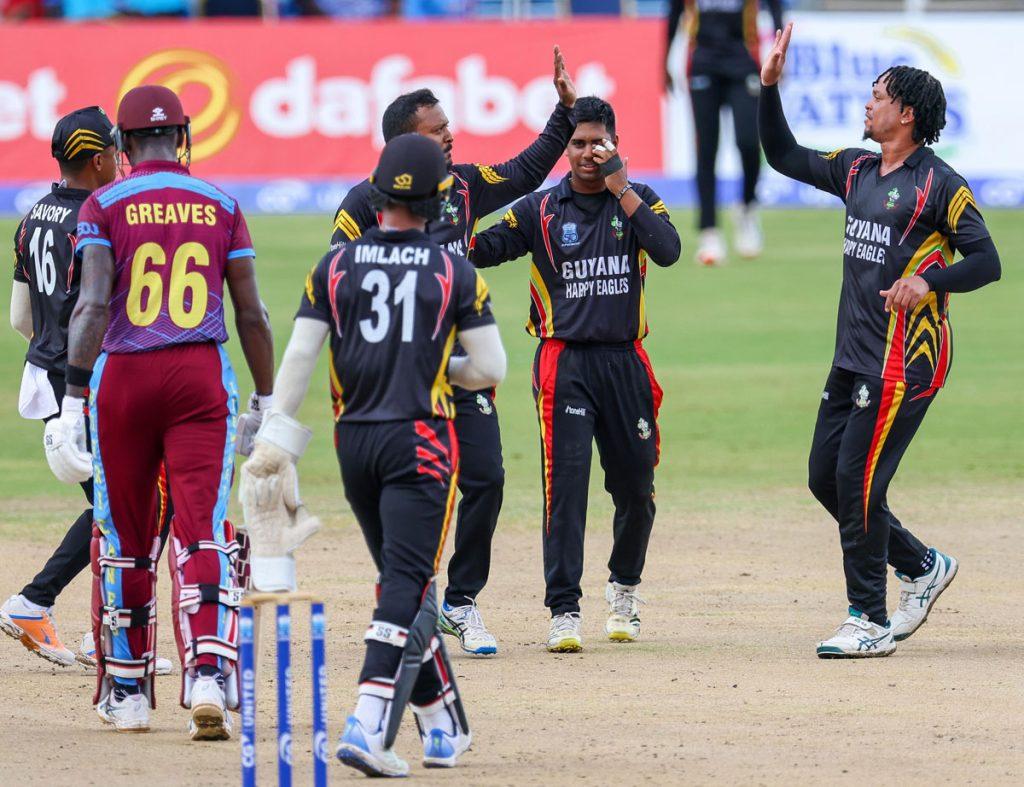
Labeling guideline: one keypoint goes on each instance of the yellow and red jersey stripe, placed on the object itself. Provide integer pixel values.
(892, 398)
(547, 377)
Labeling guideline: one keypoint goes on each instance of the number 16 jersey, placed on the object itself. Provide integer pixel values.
(394, 301)
(172, 237)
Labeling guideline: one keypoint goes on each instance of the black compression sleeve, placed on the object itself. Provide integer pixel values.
(980, 266)
(657, 237)
(780, 146)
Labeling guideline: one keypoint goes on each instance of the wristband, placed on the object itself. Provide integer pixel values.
(76, 375)
(621, 194)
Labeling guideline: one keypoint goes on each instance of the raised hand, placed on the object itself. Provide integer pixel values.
(771, 70)
(563, 82)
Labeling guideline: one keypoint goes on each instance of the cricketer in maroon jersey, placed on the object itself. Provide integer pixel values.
(157, 248)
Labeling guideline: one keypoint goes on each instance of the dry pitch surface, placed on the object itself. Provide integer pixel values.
(724, 686)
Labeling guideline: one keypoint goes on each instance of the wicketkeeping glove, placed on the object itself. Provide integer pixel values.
(249, 423)
(276, 521)
(64, 443)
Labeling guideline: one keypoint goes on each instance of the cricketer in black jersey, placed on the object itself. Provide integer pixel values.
(907, 212)
(478, 190)
(589, 260)
(44, 258)
(722, 34)
(395, 301)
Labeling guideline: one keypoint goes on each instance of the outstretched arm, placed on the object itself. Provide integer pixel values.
(507, 240)
(298, 363)
(780, 146)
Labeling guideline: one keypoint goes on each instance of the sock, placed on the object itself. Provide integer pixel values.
(127, 688)
(208, 671)
(370, 711)
(439, 718)
(928, 562)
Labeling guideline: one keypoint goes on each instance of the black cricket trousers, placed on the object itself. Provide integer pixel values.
(709, 93)
(400, 479)
(607, 393)
(482, 485)
(865, 425)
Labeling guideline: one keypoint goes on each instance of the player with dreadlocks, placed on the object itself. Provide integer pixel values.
(907, 213)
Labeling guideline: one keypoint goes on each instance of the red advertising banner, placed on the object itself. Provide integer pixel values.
(305, 98)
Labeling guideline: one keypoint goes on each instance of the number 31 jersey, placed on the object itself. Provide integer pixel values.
(394, 302)
(44, 258)
(172, 236)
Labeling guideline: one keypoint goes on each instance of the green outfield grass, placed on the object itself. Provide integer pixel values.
(741, 352)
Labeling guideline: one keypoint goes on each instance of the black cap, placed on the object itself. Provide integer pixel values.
(81, 134)
(411, 167)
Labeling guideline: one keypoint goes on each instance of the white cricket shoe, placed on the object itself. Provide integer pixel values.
(858, 638)
(36, 629)
(364, 751)
(442, 750)
(710, 247)
(86, 656)
(918, 596)
(466, 623)
(623, 624)
(565, 635)
(210, 719)
(747, 236)
(127, 712)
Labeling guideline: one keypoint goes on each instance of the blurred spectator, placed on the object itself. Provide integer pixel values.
(583, 7)
(434, 8)
(344, 9)
(230, 8)
(104, 9)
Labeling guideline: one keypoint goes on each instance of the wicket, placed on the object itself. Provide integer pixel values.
(247, 656)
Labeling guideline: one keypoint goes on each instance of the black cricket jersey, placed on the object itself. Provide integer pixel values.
(589, 260)
(44, 258)
(903, 224)
(394, 302)
(478, 189)
(722, 34)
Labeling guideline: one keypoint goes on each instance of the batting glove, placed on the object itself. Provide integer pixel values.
(64, 443)
(249, 423)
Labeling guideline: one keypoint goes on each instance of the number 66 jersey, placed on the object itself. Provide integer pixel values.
(395, 301)
(172, 236)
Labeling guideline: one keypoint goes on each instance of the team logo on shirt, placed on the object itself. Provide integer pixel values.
(863, 397)
(894, 196)
(570, 236)
(643, 428)
(617, 227)
(451, 211)
(484, 405)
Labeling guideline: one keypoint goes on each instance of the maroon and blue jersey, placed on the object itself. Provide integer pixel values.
(172, 237)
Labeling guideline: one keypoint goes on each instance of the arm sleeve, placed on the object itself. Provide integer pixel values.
(354, 216)
(509, 239)
(499, 184)
(315, 303)
(20, 273)
(241, 242)
(962, 222)
(298, 364)
(473, 306)
(775, 8)
(654, 228)
(826, 171)
(92, 226)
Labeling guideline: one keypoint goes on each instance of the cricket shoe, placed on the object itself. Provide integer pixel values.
(36, 629)
(748, 238)
(466, 623)
(710, 248)
(858, 638)
(364, 751)
(210, 719)
(127, 712)
(442, 750)
(623, 624)
(918, 596)
(565, 635)
(86, 656)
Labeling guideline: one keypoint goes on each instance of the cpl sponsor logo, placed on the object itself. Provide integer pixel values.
(189, 72)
